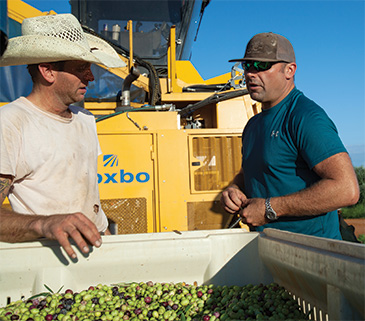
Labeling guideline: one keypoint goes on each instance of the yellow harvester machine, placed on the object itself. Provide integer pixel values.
(171, 141)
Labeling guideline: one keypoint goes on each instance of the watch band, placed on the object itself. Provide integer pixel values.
(270, 214)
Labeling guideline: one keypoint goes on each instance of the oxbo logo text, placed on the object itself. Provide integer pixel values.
(123, 177)
(111, 160)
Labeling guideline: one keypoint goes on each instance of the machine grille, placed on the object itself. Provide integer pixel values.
(126, 215)
(220, 159)
(207, 216)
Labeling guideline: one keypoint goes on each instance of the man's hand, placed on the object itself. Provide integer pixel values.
(17, 227)
(233, 199)
(253, 212)
(61, 227)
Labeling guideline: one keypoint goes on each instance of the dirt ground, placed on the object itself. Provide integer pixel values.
(358, 224)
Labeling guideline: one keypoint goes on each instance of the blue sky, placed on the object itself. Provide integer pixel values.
(328, 38)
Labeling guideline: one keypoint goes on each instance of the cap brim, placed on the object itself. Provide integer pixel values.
(254, 59)
(234, 60)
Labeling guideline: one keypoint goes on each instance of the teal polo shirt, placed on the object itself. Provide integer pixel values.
(280, 147)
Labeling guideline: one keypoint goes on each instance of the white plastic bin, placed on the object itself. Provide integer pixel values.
(323, 274)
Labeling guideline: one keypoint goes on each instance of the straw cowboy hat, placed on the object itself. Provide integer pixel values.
(57, 38)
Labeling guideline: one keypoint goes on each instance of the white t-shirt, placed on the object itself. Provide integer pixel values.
(53, 160)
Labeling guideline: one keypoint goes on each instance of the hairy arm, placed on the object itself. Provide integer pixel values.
(15, 227)
(338, 187)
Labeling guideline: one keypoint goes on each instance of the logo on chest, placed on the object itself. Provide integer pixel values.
(274, 133)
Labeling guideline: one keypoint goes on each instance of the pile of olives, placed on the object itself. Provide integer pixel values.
(159, 301)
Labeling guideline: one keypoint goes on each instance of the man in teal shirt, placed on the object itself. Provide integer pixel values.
(295, 170)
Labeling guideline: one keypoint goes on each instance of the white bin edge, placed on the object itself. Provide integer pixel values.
(226, 257)
(327, 275)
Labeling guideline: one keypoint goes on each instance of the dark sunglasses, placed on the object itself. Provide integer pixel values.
(258, 65)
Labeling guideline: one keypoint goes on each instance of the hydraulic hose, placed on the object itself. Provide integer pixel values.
(213, 99)
(154, 96)
(126, 88)
(143, 108)
(207, 88)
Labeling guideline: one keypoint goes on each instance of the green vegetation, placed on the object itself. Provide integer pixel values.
(361, 238)
(357, 210)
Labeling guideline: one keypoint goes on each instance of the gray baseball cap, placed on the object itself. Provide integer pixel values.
(268, 46)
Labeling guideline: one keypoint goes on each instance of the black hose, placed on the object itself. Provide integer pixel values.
(154, 81)
(213, 99)
(207, 88)
(126, 88)
(114, 114)
(154, 97)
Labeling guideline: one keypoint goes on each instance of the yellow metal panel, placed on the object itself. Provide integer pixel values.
(126, 176)
(187, 73)
(130, 29)
(19, 10)
(101, 106)
(173, 179)
(171, 62)
(184, 97)
(233, 113)
(221, 79)
(145, 120)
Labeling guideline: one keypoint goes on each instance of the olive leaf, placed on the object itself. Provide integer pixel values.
(38, 295)
(59, 290)
(188, 308)
(49, 289)
(181, 314)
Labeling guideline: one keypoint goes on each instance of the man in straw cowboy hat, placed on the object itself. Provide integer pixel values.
(49, 148)
(295, 170)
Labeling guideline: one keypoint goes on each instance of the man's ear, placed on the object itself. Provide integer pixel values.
(47, 71)
(290, 70)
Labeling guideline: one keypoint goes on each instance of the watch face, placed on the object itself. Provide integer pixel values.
(270, 215)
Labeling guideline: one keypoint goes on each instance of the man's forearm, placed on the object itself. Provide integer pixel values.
(16, 227)
(322, 197)
(338, 187)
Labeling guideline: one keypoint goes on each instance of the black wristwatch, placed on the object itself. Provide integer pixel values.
(270, 214)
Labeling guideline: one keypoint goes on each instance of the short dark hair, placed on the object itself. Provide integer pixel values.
(34, 71)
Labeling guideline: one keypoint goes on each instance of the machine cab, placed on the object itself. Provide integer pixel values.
(151, 20)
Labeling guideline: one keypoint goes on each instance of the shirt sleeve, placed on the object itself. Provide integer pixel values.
(315, 134)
